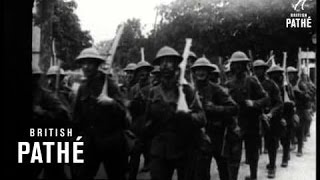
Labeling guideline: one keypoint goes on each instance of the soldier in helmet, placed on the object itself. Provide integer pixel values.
(129, 79)
(271, 116)
(293, 79)
(48, 111)
(219, 109)
(174, 132)
(302, 101)
(100, 122)
(155, 76)
(288, 112)
(191, 59)
(249, 94)
(63, 92)
(138, 95)
(214, 75)
(306, 85)
(228, 72)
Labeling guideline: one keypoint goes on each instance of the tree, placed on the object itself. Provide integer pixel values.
(65, 29)
(129, 45)
(220, 27)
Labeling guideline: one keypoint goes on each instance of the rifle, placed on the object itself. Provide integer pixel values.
(285, 80)
(142, 54)
(182, 103)
(270, 61)
(104, 97)
(57, 62)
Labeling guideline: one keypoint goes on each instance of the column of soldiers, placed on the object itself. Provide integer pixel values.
(223, 115)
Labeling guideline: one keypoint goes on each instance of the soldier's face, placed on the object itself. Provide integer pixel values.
(259, 71)
(292, 77)
(238, 67)
(129, 76)
(168, 65)
(276, 76)
(201, 74)
(89, 68)
(143, 75)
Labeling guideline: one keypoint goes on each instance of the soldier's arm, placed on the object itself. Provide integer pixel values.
(197, 112)
(120, 100)
(275, 96)
(224, 105)
(261, 94)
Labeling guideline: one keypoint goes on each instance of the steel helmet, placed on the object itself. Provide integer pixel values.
(166, 51)
(155, 70)
(144, 65)
(217, 70)
(227, 68)
(192, 54)
(54, 69)
(239, 56)
(276, 68)
(90, 53)
(291, 69)
(202, 62)
(260, 63)
(130, 67)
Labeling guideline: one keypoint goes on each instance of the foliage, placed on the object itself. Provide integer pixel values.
(66, 30)
(220, 27)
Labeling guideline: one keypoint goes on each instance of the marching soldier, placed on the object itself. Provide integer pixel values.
(139, 94)
(64, 93)
(155, 76)
(271, 116)
(215, 75)
(129, 79)
(219, 108)
(306, 85)
(101, 124)
(191, 59)
(276, 74)
(303, 98)
(228, 72)
(293, 79)
(174, 133)
(48, 111)
(251, 97)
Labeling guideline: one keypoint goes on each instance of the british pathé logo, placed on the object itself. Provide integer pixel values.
(299, 19)
(301, 3)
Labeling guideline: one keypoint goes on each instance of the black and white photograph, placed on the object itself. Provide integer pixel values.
(168, 89)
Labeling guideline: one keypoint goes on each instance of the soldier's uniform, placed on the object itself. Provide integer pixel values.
(219, 109)
(289, 115)
(272, 114)
(306, 85)
(302, 97)
(48, 112)
(139, 94)
(175, 134)
(243, 89)
(101, 124)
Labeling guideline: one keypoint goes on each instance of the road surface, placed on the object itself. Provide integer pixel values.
(299, 168)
